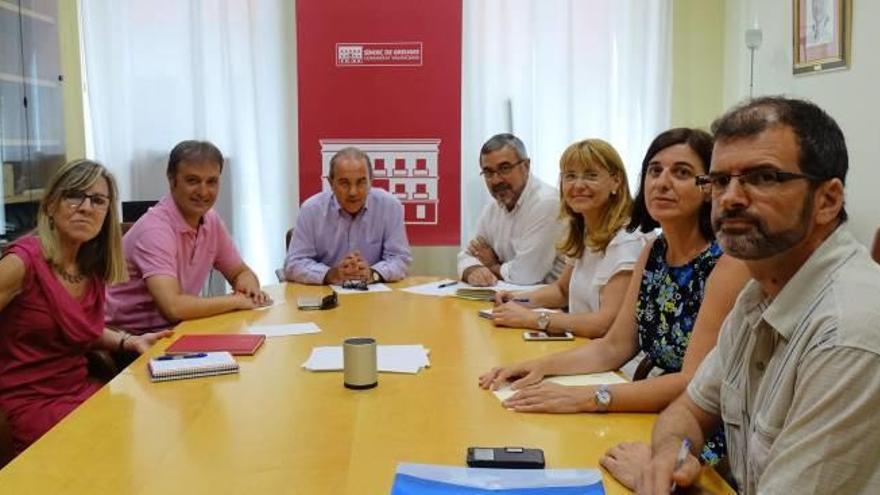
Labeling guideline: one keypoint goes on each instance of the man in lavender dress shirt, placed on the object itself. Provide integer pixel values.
(353, 232)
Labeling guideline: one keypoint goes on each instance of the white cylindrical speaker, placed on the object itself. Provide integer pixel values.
(359, 363)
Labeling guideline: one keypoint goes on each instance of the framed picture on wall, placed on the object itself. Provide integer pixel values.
(821, 35)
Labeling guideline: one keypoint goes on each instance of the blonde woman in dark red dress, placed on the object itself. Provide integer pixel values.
(52, 301)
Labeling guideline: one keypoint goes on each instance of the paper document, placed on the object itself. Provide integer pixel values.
(285, 329)
(449, 287)
(370, 288)
(391, 358)
(275, 302)
(418, 479)
(445, 287)
(489, 312)
(606, 378)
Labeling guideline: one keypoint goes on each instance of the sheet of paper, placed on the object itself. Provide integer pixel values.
(390, 358)
(488, 312)
(606, 378)
(275, 303)
(434, 289)
(285, 329)
(370, 288)
(402, 358)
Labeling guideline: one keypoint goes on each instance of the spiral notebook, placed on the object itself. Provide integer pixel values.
(181, 367)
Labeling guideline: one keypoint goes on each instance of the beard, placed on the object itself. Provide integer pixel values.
(758, 241)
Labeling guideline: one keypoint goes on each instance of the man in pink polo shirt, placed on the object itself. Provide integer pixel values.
(171, 250)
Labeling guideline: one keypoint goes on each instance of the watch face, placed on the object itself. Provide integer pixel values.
(603, 398)
(543, 320)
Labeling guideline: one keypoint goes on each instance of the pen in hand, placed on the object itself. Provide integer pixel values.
(683, 452)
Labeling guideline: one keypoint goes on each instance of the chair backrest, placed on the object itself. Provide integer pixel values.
(132, 210)
(875, 251)
(279, 272)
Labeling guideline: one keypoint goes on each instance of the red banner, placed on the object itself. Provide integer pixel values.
(385, 76)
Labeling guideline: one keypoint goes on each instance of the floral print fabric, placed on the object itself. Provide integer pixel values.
(669, 300)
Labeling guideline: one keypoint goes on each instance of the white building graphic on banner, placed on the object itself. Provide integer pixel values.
(406, 168)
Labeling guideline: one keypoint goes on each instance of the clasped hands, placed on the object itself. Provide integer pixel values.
(487, 274)
(533, 395)
(352, 267)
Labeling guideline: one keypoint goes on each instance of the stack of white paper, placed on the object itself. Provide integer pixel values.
(391, 358)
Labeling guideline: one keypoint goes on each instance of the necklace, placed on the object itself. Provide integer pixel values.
(71, 278)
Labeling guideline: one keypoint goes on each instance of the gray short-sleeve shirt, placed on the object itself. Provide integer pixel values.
(796, 380)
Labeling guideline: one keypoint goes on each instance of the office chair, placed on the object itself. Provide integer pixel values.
(279, 272)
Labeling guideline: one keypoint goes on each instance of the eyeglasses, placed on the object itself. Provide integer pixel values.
(75, 199)
(591, 177)
(762, 179)
(503, 170)
(347, 185)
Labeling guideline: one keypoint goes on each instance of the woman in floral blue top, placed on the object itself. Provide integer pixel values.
(681, 289)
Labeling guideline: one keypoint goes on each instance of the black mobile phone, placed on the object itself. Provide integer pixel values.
(307, 303)
(505, 457)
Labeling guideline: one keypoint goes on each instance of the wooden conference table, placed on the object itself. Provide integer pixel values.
(276, 428)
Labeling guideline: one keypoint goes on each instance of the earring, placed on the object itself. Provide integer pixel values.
(51, 223)
(613, 193)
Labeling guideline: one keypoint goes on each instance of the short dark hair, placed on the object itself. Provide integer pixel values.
(505, 140)
(822, 148)
(698, 140)
(350, 152)
(194, 152)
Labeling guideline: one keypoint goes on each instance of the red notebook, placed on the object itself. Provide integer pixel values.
(238, 344)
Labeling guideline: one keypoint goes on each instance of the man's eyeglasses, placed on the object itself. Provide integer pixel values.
(75, 199)
(591, 177)
(503, 170)
(762, 179)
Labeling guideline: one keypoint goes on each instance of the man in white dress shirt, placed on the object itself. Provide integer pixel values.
(517, 234)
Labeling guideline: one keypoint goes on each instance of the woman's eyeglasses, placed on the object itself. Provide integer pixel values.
(75, 199)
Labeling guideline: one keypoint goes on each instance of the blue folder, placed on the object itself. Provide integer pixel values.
(428, 479)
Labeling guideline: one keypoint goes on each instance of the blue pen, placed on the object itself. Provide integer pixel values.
(683, 452)
(521, 300)
(169, 357)
(447, 284)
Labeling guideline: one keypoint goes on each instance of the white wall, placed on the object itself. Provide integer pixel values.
(851, 96)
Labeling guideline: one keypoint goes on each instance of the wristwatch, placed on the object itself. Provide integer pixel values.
(543, 320)
(374, 276)
(602, 398)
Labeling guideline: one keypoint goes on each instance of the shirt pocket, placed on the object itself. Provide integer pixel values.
(761, 439)
(732, 414)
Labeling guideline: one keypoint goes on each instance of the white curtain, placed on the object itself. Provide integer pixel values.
(556, 71)
(161, 71)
